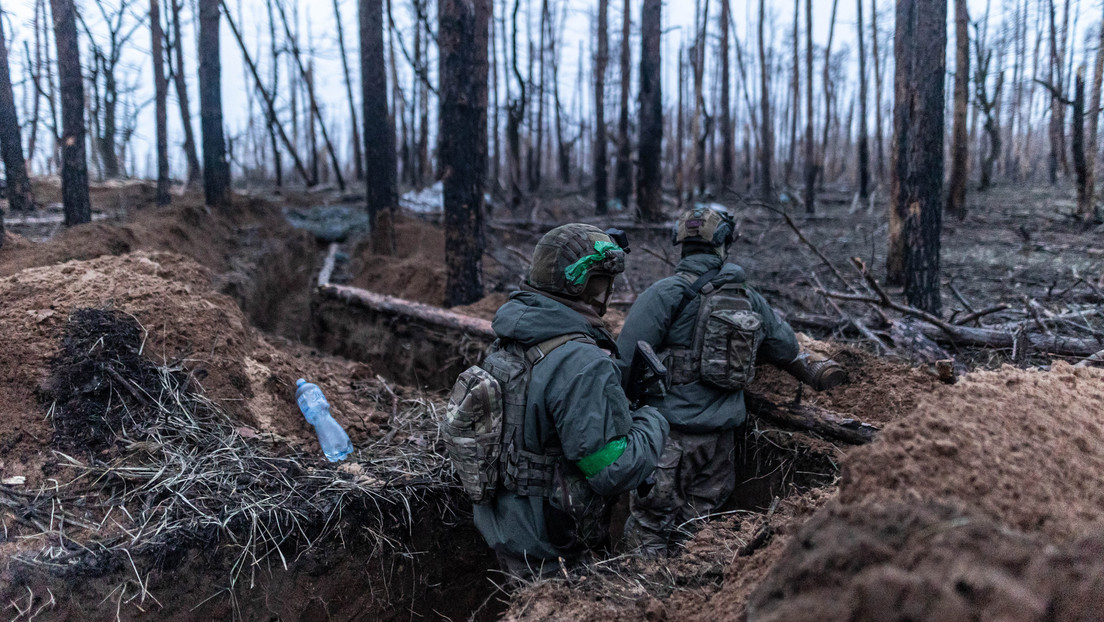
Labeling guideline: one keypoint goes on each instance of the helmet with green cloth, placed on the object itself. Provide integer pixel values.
(569, 256)
(702, 224)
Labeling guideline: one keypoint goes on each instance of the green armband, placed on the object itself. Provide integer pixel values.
(594, 463)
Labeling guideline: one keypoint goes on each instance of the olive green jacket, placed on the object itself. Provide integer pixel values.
(696, 407)
(575, 403)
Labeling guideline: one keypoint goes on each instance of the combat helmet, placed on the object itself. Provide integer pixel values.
(705, 225)
(568, 256)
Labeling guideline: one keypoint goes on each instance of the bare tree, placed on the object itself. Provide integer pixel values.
(649, 191)
(161, 92)
(74, 167)
(20, 197)
(864, 141)
(987, 105)
(358, 159)
(176, 50)
(918, 118)
(879, 138)
(795, 91)
(728, 148)
(956, 197)
(601, 163)
(766, 143)
(382, 196)
(810, 147)
(216, 169)
(462, 40)
(829, 93)
(1087, 210)
(623, 176)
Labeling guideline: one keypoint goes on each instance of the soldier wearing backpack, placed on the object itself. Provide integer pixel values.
(541, 433)
(711, 329)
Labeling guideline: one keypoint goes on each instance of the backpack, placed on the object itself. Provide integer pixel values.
(727, 335)
(482, 428)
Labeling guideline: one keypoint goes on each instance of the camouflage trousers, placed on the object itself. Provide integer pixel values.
(695, 476)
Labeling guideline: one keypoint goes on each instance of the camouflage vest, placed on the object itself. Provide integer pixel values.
(483, 426)
(727, 334)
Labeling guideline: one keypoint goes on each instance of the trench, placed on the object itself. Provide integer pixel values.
(447, 571)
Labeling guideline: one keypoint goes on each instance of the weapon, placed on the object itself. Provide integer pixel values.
(645, 373)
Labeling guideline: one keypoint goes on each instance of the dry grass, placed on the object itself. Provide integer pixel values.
(179, 476)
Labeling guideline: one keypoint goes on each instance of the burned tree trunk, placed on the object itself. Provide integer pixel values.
(918, 119)
(216, 169)
(795, 93)
(20, 197)
(810, 147)
(956, 197)
(1080, 161)
(649, 182)
(601, 164)
(190, 153)
(766, 144)
(462, 38)
(161, 95)
(864, 141)
(358, 158)
(623, 184)
(381, 172)
(988, 107)
(728, 148)
(879, 130)
(74, 166)
(1087, 210)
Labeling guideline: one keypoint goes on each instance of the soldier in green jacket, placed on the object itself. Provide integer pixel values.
(696, 472)
(577, 418)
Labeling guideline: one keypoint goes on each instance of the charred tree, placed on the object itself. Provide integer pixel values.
(161, 99)
(918, 118)
(960, 152)
(515, 115)
(766, 142)
(195, 171)
(795, 92)
(216, 169)
(358, 158)
(623, 185)
(879, 131)
(864, 141)
(462, 39)
(381, 172)
(20, 197)
(74, 166)
(1087, 210)
(1080, 161)
(810, 147)
(987, 106)
(728, 148)
(829, 96)
(601, 159)
(649, 192)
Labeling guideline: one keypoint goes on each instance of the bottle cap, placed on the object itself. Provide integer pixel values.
(300, 382)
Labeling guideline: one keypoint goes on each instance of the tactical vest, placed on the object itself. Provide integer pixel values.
(484, 423)
(727, 334)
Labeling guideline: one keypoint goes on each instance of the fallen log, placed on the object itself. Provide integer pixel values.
(416, 311)
(811, 418)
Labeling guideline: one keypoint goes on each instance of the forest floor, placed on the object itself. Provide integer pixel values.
(162, 470)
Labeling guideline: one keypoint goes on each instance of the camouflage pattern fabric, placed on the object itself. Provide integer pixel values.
(567, 256)
(695, 476)
(706, 226)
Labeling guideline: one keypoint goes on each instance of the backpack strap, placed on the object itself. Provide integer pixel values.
(537, 353)
(695, 288)
(532, 473)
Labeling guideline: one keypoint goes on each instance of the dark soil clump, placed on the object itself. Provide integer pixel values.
(98, 380)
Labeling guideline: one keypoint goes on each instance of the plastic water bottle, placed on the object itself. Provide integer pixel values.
(335, 442)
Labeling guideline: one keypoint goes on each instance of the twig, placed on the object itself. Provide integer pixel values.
(976, 315)
(801, 236)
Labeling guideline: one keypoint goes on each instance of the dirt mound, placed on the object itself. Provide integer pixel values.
(186, 323)
(1024, 447)
(251, 252)
(417, 270)
(879, 390)
(921, 562)
(986, 503)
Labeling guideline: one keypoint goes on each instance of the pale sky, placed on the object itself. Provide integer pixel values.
(317, 17)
